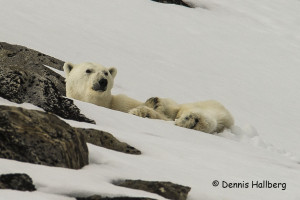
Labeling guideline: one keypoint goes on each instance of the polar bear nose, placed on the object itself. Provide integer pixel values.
(103, 83)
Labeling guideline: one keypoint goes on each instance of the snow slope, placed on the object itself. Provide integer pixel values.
(245, 54)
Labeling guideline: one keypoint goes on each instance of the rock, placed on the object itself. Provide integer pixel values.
(97, 197)
(16, 182)
(33, 61)
(11, 54)
(178, 2)
(166, 189)
(40, 138)
(24, 78)
(107, 140)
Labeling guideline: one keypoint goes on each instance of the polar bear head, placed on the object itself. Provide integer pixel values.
(89, 82)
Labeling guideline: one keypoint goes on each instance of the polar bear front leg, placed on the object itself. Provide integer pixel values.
(146, 112)
(197, 121)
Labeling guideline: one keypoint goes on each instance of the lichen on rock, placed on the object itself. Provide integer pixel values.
(107, 140)
(24, 78)
(40, 138)
(20, 182)
(98, 197)
(166, 189)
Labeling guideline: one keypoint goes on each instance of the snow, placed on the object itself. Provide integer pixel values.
(244, 54)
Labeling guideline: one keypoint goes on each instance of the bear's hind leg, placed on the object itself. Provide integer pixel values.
(197, 121)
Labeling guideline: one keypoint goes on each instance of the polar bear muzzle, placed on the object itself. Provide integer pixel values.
(101, 85)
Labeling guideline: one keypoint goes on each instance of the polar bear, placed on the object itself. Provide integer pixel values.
(92, 83)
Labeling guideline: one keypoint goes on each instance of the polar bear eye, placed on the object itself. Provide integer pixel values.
(88, 71)
(106, 73)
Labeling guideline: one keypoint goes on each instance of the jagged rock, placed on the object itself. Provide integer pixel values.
(97, 197)
(107, 140)
(16, 182)
(33, 61)
(178, 2)
(24, 78)
(166, 189)
(11, 54)
(40, 138)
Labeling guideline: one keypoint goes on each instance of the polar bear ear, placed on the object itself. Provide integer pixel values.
(112, 71)
(68, 67)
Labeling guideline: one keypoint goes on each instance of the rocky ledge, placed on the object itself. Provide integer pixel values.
(25, 78)
(20, 182)
(166, 189)
(178, 2)
(97, 197)
(107, 140)
(40, 138)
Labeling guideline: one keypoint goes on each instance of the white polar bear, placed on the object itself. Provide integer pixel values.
(92, 83)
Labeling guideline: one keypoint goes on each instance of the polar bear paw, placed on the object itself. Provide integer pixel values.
(197, 121)
(146, 112)
(154, 102)
(164, 106)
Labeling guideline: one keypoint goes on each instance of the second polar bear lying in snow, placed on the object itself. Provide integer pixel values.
(92, 83)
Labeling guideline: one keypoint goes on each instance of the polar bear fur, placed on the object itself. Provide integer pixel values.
(206, 116)
(92, 83)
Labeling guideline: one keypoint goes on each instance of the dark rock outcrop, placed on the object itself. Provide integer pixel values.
(11, 54)
(40, 138)
(97, 197)
(24, 78)
(33, 61)
(166, 189)
(178, 2)
(107, 140)
(16, 182)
